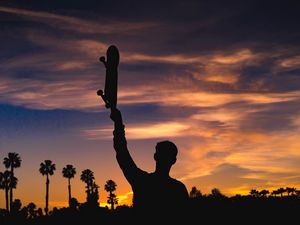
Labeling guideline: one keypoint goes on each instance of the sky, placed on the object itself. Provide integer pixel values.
(221, 79)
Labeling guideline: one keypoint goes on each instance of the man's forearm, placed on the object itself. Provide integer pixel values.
(120, 142)
(124, 159)
(119, 126)
(123, 156)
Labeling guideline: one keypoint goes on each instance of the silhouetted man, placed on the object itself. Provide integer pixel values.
(155, 191)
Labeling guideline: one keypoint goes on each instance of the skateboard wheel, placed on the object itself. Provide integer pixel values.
(100, 92)
(102, 59)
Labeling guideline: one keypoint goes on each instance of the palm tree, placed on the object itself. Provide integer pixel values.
(94, 195)
(12, 161)
(87, 176)
(4, 184)
(69, 172)
(195, 193)
(7, 181)
(110, 187)
(94, 188)
(47, 168)
(112, 200)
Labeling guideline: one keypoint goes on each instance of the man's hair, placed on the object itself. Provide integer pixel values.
(166, 148)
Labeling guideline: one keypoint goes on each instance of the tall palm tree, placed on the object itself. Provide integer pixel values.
(12, 161)
(6, 182)
(69, 172)
(87, 176)
(110, 187)
(47, 168)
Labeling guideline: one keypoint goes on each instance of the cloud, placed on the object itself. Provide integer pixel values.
(125, 199)
(75, 71)
(75, 24)
(38, 94)
(203, 80)
(226, 176)
(270, 150)
(141, 131)
(193, 98)
(238, 57)
(232, 179)
(292, 62)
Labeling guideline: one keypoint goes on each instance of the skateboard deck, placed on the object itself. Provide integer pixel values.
(110, 93)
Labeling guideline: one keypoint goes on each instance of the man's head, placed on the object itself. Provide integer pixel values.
(165, 154)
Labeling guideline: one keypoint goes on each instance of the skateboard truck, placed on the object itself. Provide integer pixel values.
(101, 92)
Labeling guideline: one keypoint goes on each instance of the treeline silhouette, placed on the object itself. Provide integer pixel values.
(258, 206)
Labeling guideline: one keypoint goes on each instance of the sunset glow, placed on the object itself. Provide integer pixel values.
(229, 98)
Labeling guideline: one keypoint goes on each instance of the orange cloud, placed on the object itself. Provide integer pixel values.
(141, 131)
(168, 96)
(239, 56)
(293, 62)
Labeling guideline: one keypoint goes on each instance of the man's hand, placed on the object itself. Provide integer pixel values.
(116, 116)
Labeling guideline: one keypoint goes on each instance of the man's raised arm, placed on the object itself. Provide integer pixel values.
(124, 159)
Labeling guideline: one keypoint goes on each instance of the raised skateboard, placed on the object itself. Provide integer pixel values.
(110, 93)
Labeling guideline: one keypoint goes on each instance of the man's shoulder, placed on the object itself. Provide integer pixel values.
(178, 184)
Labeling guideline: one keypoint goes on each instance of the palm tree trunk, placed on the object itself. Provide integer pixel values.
(112, 201)
(47, 194)
(69, 189)
(11, 189)
(6, 198)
